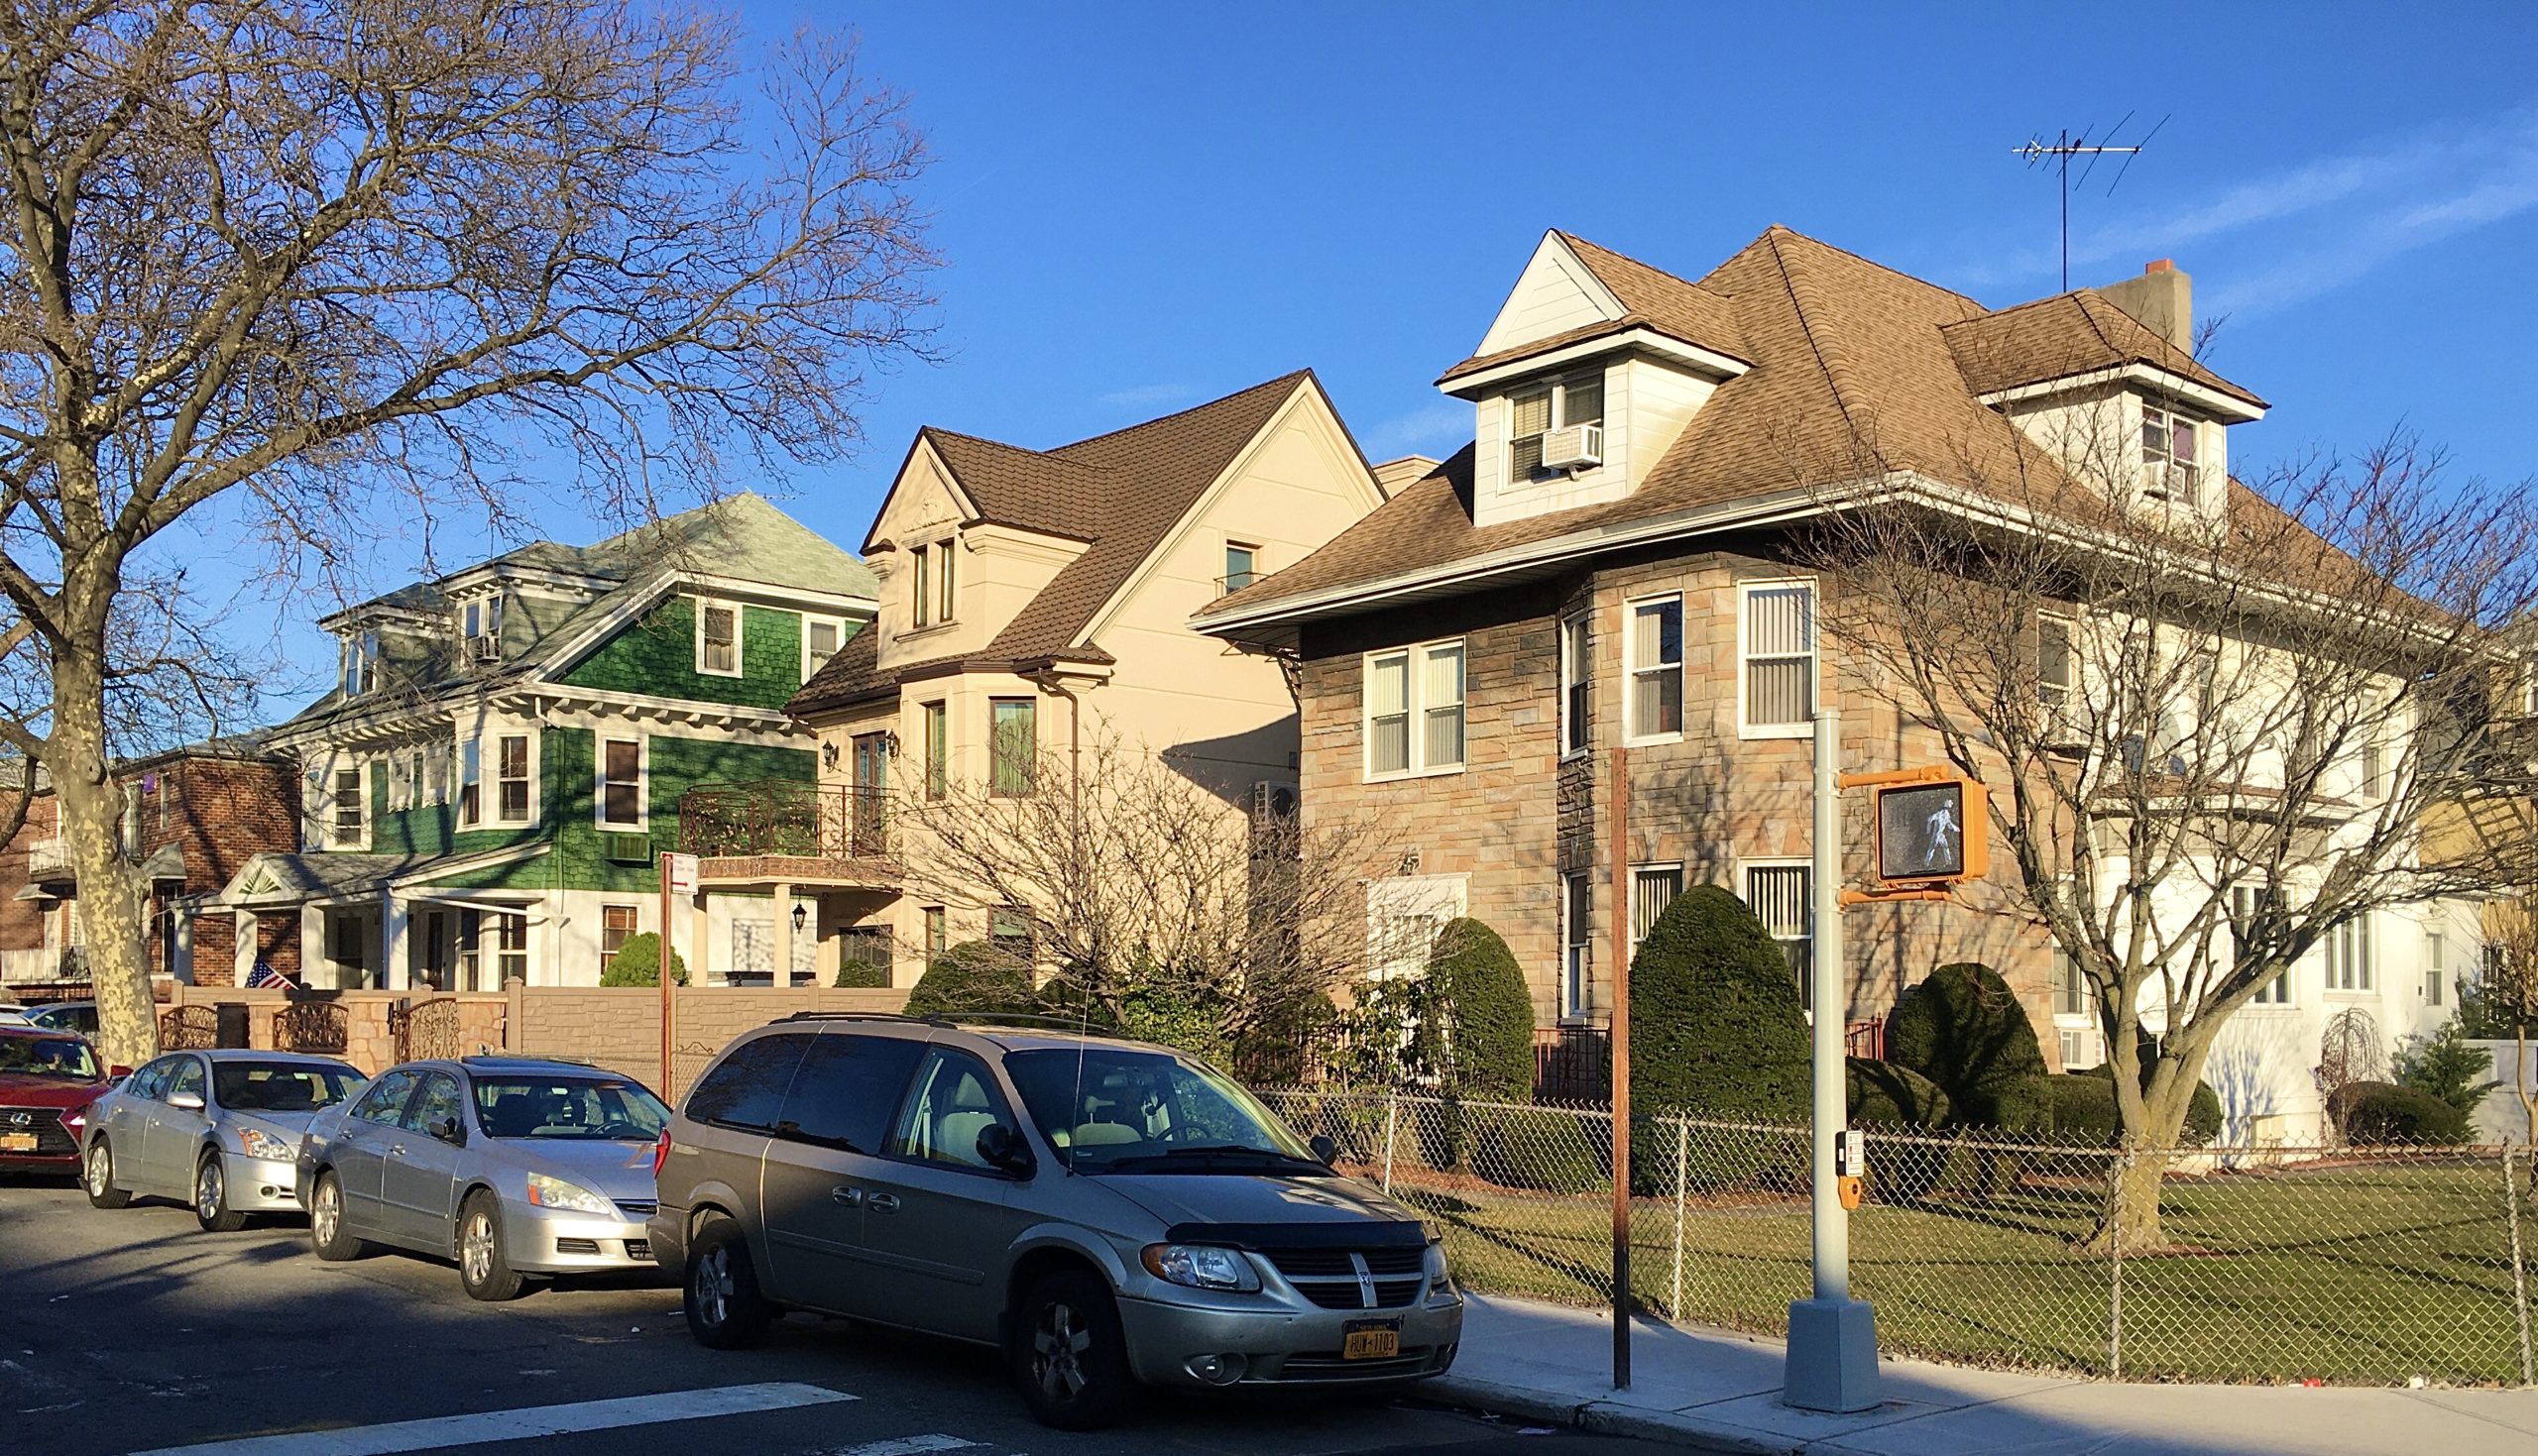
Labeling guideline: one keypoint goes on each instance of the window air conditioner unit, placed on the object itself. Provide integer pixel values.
(486, 648)
(1574, 448)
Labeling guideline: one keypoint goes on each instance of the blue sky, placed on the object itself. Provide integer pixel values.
(1143, 207)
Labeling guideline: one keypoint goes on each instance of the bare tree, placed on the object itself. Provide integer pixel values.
(336, 264)
(2212, 725)
(2502, 999)
(1147, 887)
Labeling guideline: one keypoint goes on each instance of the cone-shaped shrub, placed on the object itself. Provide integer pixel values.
(637, 962)
(972, 978)
(1964, 1029)
(1716, 1032)
(1481, 992)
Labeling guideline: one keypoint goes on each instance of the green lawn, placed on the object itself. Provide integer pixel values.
(2364, 1274)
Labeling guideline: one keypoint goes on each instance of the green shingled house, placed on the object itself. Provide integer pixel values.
(510, 748)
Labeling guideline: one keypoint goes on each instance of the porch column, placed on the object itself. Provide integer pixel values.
(700, 922)
(393, 918)
(242, 956)
(313, 947)
(784, 935)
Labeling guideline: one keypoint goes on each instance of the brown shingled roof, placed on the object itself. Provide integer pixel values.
(1122, 492)
(1854, 373)
(2070, 333)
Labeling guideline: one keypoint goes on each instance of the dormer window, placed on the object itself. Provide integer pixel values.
(480, 629)
(360, 664)
(2168, 469)
(1534, 412)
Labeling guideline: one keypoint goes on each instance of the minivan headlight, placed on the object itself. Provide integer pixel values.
(554, 1193)
(1200, 1267)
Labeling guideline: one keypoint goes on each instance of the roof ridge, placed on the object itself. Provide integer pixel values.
(2066, 296)
(2089, 316)
(1865, 259)
(1575, 240)
(1816, 345)
(1291, 376)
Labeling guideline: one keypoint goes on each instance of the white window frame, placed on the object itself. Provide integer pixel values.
(643, 783)
(1224, 582)
(833, 623)
(1746, 727)
(358, 770)
(1393, 951)
(1655, 866)
(1745, 885)
(740, 657)
(1414, 658)
(633, 912)
(2055, 697)
(466, 770)
(2169, 417)
(1577, 740)
(2353, 962)
(1577, 945)
(1631, 671)
(1555, 416)
(2436, 967)
(2274, 994)
(495, 780)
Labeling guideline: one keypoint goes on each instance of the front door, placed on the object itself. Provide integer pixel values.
(936, 1216)
(825, 1163)
(871, 785)
(359, 1154)
(430, 965)
(419, 1172)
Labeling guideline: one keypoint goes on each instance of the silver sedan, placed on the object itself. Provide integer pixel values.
(513, 1166)
(220, 1130)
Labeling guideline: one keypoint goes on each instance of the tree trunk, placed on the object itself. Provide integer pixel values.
(113, 900)
(2132, 1217)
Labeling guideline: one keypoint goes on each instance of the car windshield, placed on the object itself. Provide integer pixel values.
(568, 1107)
(1115, 1109)
(282, 1087)
(68, 1058)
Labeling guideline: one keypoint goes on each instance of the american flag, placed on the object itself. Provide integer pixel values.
(264, 976)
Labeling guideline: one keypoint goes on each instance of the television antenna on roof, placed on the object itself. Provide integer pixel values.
(2066, 144)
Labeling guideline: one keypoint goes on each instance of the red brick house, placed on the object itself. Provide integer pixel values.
(193, 816)
(1613, 562)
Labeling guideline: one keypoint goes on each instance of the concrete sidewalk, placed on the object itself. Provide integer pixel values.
(1720, 1392)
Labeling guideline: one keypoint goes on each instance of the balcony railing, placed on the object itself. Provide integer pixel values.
(783, 817)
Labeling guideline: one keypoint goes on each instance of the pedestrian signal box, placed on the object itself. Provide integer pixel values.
(1930, 826)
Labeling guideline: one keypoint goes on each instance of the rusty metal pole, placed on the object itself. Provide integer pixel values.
(1620, 1034)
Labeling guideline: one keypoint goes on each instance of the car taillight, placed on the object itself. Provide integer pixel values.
(660, 1153)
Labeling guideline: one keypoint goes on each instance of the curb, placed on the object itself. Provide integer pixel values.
(1605, 1417)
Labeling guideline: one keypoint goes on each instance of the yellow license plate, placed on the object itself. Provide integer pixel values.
(1374, 1342)
(17, 1142)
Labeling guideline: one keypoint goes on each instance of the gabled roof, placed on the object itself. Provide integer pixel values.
(1649, 298)
(1120, 493)
(1854, 375)
(2074, 333)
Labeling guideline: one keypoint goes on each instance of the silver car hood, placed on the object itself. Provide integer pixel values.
(610, 1169)
(285, 1125)
(1254, 1200)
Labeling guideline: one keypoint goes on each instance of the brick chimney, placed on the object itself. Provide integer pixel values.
(2162, 299)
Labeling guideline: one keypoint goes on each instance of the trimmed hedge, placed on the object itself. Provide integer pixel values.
(2083, 1109)
(1965, 1030)
(972, 978)
(1481, 990)
(862, 975)
(637, 962)
(1717, 1031)
(1886, 1098)
(2373, 1114)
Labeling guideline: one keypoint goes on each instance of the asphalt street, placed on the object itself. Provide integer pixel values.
(134, 1331)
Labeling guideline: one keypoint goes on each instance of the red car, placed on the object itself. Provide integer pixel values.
(46, 1082)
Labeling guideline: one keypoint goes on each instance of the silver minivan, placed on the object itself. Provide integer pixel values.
(1110, 1214)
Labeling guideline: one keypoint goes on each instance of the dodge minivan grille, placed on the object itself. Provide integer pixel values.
(1354, 1279)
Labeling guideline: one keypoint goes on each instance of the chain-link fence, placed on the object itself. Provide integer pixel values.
(2288, 1264)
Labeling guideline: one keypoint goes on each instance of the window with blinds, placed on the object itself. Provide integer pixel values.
(2349, 960)
(1534, 412)
(1657, 668)
(1577, 684)
(1779, 639)
(2249, 905)
(2070, 988)
(1013, 746)
(1653, 887)
(1781, 896)
(1414, 716)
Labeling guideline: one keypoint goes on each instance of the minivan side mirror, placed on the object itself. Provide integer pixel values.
(1001, 1148)
(1325, 1150)
(448, 1130)
(185, 1101)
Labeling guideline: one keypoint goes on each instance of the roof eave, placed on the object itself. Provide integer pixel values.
(2235, 407)
(1474, 377)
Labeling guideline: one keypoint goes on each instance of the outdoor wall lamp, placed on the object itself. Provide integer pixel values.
(801, 913)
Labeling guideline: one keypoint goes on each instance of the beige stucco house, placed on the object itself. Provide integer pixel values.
(1040, 599)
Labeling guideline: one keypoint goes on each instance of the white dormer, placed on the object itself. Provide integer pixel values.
(1590, 370)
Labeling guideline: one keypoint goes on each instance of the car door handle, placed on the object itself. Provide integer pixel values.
(882, 1202)
(395, 1150)
(850, 1198)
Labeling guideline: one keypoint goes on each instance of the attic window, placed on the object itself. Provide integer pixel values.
(1535, 411)
(479, 623)
(360, 664)
(718, 640)
(2169, 471)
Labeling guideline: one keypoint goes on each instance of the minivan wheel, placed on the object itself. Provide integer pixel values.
(97, 1177)
(484, 1265)
(329, 1239)
(1069, 1355)
(211, 1199)
(726, 1309)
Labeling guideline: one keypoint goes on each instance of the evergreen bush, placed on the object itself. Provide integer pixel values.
(1541, 1150)
(1478, 990)
(1717, 1031)
(1889, 1098)
(637, 962)
(2083, 1109)
(2373, 1114)
(1965, 1030)
(862, 975)
(973, 978)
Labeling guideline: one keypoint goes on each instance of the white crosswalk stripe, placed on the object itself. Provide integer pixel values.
(527, 1424)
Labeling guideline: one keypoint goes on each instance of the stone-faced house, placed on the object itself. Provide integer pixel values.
(1022, 588)
(1611, 562)
(509, 746)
